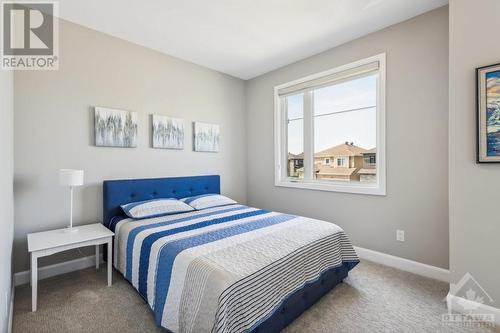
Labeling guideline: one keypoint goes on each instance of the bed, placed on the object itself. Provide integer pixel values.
(223, 269)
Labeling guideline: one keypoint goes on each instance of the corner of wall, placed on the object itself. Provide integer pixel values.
(6, 196)
(247, 158)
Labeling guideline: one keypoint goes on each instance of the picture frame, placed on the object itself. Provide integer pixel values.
(115, 128)
(488, 113)
(206, 137)
(167, 132)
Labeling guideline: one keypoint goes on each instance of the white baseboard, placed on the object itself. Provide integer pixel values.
(56, 269)
(453, 304)
(11, 310)
(411, 266)
(377, 257)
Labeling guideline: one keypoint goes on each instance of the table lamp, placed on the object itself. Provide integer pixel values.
(71, 178)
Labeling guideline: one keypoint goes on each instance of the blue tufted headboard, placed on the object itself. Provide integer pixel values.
(119, 192)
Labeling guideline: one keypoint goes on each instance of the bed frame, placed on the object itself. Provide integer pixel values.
(118, 192)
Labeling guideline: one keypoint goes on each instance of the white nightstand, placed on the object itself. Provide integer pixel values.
(41, 244)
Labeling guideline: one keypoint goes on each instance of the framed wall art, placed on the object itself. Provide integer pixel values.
(115, 128)
(206, 137)
(488, 114)
(167, 132)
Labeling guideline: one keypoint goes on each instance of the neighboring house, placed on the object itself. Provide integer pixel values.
(295, 162)
(369, 171)
(341, 162)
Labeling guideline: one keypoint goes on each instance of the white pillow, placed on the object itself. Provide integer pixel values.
(207, 201)
(155, 208)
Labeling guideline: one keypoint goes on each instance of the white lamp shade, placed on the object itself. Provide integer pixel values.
(70, 177)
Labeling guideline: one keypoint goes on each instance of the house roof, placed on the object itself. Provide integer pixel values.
(371, 151)
(293, 156)
(345, 149)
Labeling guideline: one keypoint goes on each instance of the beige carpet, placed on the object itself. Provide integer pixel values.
(373, 298)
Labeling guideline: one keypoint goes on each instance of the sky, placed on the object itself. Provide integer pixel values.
(493, 87)
(332, 126)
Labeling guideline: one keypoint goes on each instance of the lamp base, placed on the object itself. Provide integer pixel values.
(71, 229)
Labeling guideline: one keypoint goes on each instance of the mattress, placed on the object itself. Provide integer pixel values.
(225, 269)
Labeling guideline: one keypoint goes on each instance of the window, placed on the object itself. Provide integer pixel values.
(330, 126)
(342, 162)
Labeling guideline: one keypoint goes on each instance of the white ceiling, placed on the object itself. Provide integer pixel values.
(243, 38)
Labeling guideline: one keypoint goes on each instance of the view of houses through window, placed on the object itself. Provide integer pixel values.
(344, 131)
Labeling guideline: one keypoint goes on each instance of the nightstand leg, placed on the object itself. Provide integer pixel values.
(97, 257)
(34, 281)
(109, 263)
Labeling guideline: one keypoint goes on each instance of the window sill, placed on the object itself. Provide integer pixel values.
(358, 188)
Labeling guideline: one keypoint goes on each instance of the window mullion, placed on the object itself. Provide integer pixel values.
(308, 135)
(284, 138)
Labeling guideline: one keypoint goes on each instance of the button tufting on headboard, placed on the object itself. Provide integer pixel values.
(118, 192)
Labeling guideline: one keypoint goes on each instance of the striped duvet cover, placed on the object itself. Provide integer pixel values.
(224, 269)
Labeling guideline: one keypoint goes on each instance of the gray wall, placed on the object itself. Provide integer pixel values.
(54, 122)
(474, 198)
(6, 193)
(417, 148)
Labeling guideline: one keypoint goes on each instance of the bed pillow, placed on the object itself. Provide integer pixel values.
(155, 208)
(204, 201)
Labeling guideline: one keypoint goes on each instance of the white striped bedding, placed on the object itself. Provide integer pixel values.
(224, 269)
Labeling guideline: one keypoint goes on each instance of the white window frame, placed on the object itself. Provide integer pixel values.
(280, 137)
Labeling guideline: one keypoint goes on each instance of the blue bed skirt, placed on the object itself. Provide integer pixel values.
(298, 302)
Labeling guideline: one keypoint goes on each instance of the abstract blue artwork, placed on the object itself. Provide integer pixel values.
(488, 114)
(493, 113)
